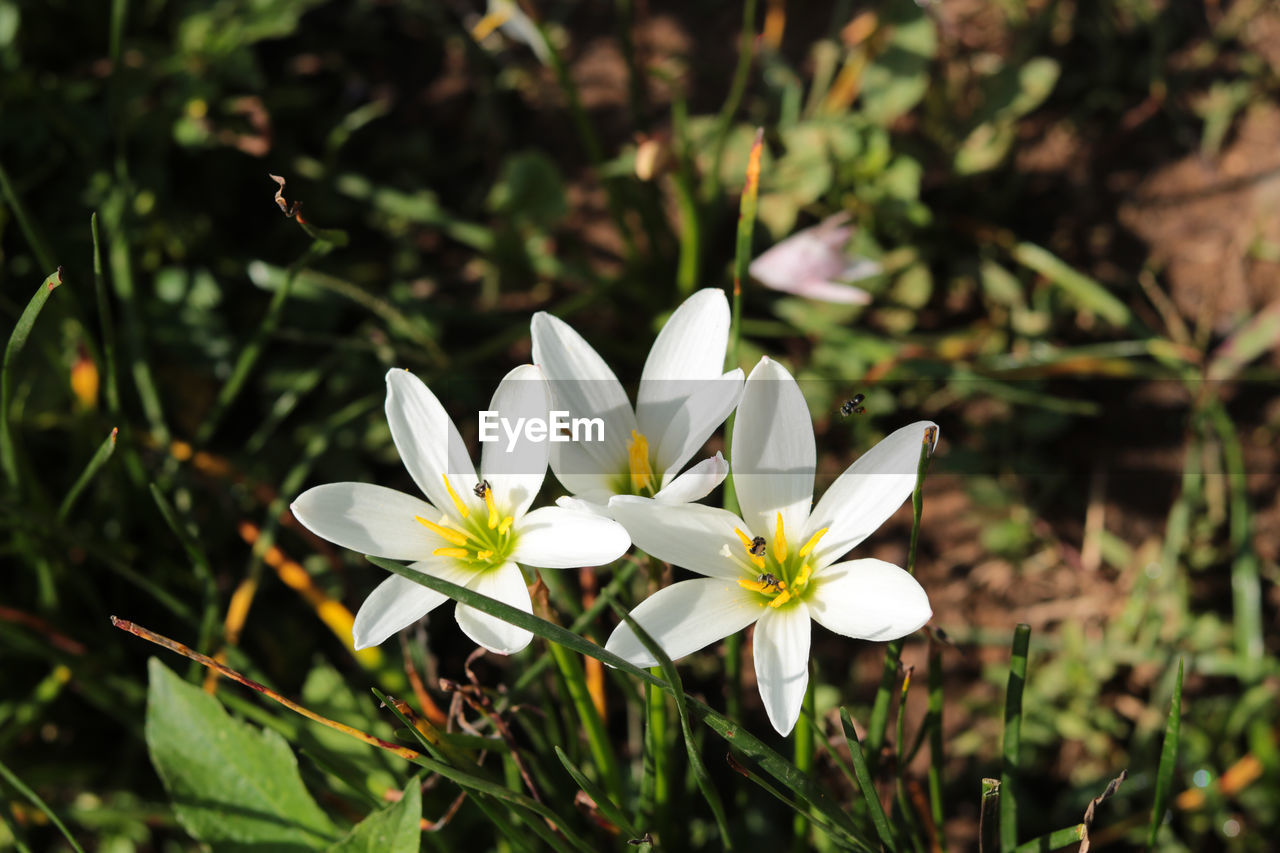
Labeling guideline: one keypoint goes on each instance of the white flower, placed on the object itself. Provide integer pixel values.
(776, 566)
(683, 397)
(812, 263)
(475, 529)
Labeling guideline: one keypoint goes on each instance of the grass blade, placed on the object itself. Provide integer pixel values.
(17, 340)
(1013, 737)
(866, 784)
(1084, 291)
(31, 795)
(1168, 761)
(1052, 841)
(99, 459)
(936, 759)
(105, 321)
(603, 801)
(676, 688)
(989, 817)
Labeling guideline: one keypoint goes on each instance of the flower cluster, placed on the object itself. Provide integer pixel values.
(777, 565)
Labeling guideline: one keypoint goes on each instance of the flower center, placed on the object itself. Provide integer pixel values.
(783, 575)
(642, 480)
(483, 542)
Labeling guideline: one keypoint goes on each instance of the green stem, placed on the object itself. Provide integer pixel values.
(657, 746)
(711, 188)
(105, 321)
(936, 758)
(18, 340)
(38, 248)
(597, 736)
(802, 738)
(1013, 737)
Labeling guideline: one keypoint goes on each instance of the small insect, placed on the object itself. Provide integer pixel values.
(481, 488)
(757, 547)
(854, 406)
(769, 580)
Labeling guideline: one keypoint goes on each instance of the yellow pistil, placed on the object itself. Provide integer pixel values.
(457, 501)
(803, 577)
(506, 525)
(483, 556)
(457, 553)
(642, 479)
(813, 542)
(783, 598)
(747, 543)
(754, 586)
(780, 543)
(457, 537)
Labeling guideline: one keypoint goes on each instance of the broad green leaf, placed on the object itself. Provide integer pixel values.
(395, 829)
(233, 786)
(361, 765)
(896, 79)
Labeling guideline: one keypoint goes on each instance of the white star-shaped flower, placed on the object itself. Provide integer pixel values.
(474, 531)
(683, 396)
(776, 565)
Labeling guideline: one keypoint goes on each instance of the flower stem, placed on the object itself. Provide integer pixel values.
(597, 736)
(659, 756)
(803, 744)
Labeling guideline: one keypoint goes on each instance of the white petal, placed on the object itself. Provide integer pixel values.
(596, 503)
(369, 519)
(428, 442)
(690, 347)
(515, 469)
(831, 291)
(686, 616)
(506, 584)
(553, 537)
(773, 453)
(584, 386)
(709, 403)
(696, 483)
(867, 493)
(868, 600)
(699, 538)
(781, 650)
(398, 602)
(580, 472)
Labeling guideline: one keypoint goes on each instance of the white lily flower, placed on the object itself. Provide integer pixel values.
(812, 263)
(683, 397)
(754, 571)
(475, 529)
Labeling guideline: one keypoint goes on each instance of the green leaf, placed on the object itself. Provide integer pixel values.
(232, 786)
(866, 785)
(896, 79)
(1084, 291)
(18, 340)
(1168, 762)
(1013, 737)
(392, 830)
(530, 188)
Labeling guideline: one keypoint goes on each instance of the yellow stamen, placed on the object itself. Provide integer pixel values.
(747, 542)
(803, 578)
(783, 598)
(457, 537)
(457, 501)
(813, 541)
(459, 553)
(780, 543)
(493, 510)
(638, 460)
(489, 23)
(482, 556)
(754, 586)
(506, 525)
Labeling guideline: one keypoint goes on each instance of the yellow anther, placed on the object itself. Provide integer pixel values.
(780, 543)
(783, 598)
(493, 509)
(490, 22)
(754, 586)
(642, 479)
(459, 553)
(813, 542)
(506, 525)
(457, 501)
(803, 578)
(746, 540)
(457, 537)
(482, 556)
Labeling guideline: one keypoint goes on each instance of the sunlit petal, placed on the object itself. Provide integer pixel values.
(781, 652)
(686, 616)
(868, 600)
(429, 443)
(369, 519)
(506, 584)
(515, 467)
(553, 537)
(696, 537)
(773, 453)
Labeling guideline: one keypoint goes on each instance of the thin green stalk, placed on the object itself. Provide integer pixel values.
(203, 570)
(592, 725)
(900, 788)
(802, 742)
(31, 795)
(989, 817)
(936, 758)
(99, 459)
(1013, 737)
(38, 248)
(657, 755)
(866, 784)
(1168, 762)
(1053, 841)
(105, 321)
(603, 800)
(746, 43)
(18, 340)
(879, 721)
